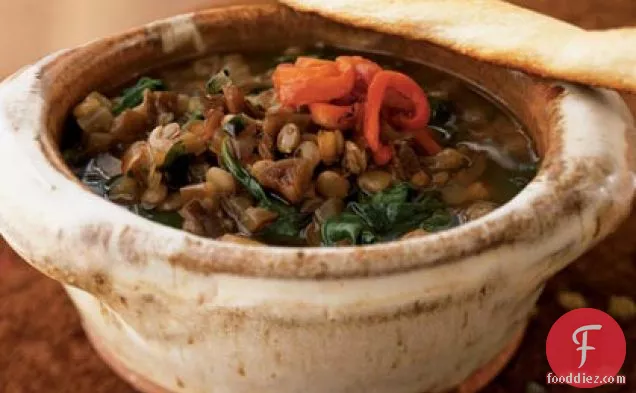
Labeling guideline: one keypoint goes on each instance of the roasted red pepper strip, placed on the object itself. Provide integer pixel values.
(365, 69)
(343, 113)
(395, 100)
(304, 62)
(312, 80)
(423, 138)
(418, 119)
(331, 116)
(332, 88)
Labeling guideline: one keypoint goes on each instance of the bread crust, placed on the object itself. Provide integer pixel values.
(497, 32)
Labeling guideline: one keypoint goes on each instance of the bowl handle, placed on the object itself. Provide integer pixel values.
(36, 218)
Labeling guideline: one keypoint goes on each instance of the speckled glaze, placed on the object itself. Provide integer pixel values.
(193, 315)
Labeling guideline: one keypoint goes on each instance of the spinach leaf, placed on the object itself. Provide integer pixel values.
(348, 227)
(372, 215)
(250, 183)
(287, 228)
(176, 151)
(440, 219)
(409, 217)
(388, 215)
(392, 220)
(171, 219)
(396, 194)
(235, 125)
(379, 211)
(241, 174)
(218, 81)
(133, 96)
(279, 207)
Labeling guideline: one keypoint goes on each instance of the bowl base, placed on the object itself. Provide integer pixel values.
(473, 384)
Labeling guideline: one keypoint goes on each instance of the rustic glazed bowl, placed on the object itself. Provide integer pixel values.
(173, 312)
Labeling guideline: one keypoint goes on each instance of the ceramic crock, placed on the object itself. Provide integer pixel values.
(173, 312)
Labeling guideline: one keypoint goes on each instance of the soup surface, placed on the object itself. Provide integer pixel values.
(310, 147)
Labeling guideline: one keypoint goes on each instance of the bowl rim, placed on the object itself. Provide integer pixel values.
(558, 211)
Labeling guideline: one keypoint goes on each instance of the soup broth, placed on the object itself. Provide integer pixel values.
(309, 147)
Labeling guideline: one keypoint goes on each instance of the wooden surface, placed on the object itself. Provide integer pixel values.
(42, 346)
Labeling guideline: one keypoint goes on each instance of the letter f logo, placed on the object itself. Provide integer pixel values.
(583, 344)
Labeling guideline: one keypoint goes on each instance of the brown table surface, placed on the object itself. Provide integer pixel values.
(43, 348)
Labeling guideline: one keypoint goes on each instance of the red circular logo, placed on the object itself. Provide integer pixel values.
(585, 348)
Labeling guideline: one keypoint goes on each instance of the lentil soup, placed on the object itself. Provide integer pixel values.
(309, 147)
